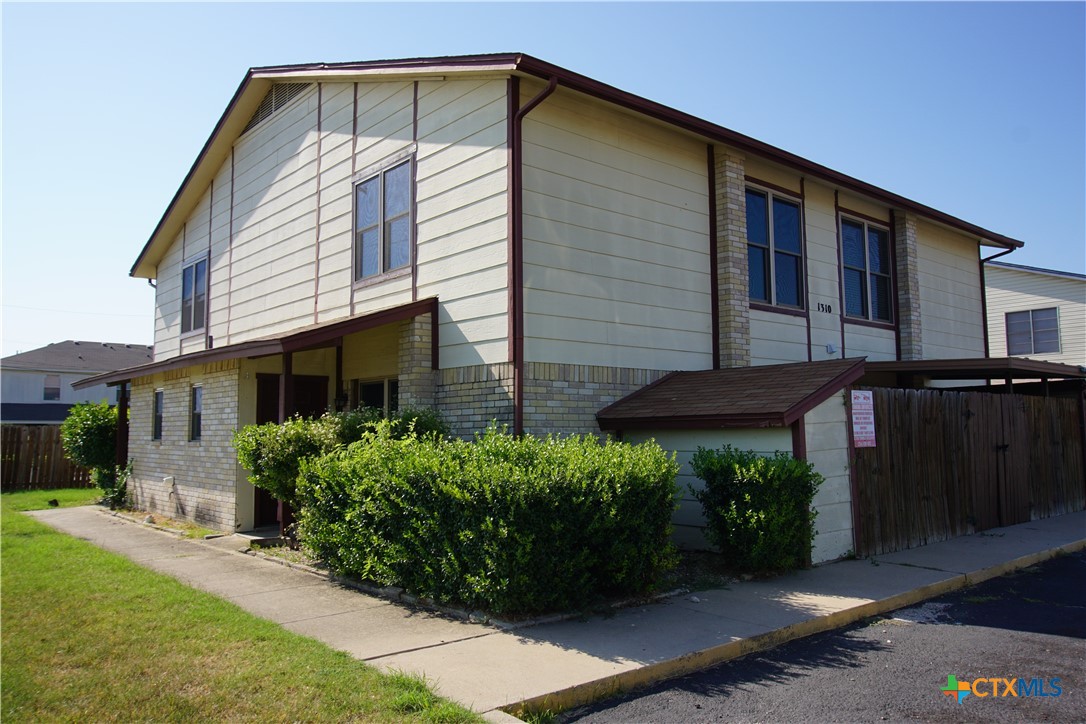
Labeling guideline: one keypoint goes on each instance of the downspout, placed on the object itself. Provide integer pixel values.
(516, 257)
(984, 300)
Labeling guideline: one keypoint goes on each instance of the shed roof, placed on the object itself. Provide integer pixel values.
(763, 396)
(79, 356)
(257, 81)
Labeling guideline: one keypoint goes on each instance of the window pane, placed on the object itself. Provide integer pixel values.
(371, 394)
(1046, 331)
(398, 190)
(156, 424)
(787, 271)
(398, 242)
(855, 294)
(367, 252)
(757, 225)
(758, 273)
(785, 226)
(1019, 336)
(878, 250)
(52, 387)
(368, 196)
(852, 244)
(197, 412)
(393, 395)
(880, 297)
(199, 299)
(186, 299)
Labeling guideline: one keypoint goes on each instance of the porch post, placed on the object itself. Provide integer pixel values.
(121, 455)
(286, 409)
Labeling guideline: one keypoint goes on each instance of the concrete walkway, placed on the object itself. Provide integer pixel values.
(571, 662)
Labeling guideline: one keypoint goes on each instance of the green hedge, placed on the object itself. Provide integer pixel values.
(757, 509)
(507, 524)
(89, 436)
(273, 452)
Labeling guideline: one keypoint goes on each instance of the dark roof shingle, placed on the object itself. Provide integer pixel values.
(80, 356)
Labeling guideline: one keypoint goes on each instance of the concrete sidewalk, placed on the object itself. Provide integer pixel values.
(562, 664)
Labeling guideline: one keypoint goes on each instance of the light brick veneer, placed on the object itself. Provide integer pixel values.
(204, 471)
(564, 398)
(416, 375)
(908, 286)
(733, 295)
(469, 398)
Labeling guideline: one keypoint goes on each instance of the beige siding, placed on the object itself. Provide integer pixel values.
(1016, 290)
(826, 429)
(777, 338)
(688, 521)
(823, 278)
(875, 343)
(950, 299)
(616, 267)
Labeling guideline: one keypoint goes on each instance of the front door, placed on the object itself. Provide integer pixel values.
(310, 400)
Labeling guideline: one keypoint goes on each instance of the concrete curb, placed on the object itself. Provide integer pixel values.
(609, 686)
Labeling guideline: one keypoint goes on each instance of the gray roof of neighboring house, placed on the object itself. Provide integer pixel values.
(1036, 270)
(80, 356)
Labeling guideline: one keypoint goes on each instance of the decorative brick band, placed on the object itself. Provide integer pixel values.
(733, 294)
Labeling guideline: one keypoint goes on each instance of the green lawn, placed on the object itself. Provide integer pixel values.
(90, 636)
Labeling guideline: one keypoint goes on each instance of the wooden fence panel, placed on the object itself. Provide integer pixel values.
(32, 458)
(952, 463)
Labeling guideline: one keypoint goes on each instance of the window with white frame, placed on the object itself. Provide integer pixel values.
(382, 205)
(193, 296)
(196, 413)
(156, 415)
(1034, 331)
(383, 395)
(52, 388)
(867, 276)
(774, 249)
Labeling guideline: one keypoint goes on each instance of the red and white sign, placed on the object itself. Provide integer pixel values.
(863, 418)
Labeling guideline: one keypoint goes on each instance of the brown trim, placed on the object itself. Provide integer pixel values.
(769, 186)
(799, 439)
(979, 368)
(842, 305)
(603, 414)
(517, 258)
(826, 391)
(888, 326)
(435, 340)
(379, 278)
(512, 100)
(864, 217)
(317, 231)
(806, 270)
(984, 302)
(121, 436)
(354, 167)
(339, 374)
(714, 272)
(790, 311)
(414, 195)
(310, 338)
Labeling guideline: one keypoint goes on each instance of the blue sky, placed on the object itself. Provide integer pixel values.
(976, 109)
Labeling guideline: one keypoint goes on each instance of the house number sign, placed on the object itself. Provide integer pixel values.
(863, 418)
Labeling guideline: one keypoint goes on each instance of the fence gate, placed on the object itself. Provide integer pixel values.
(951, 463)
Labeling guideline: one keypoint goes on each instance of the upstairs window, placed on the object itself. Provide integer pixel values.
(193, 296)
(774, 250)
(865, 251)
(383, 222)
(51, 392)
(1035, 331)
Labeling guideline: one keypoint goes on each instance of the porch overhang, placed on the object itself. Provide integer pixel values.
(298, 340)
(983, 368)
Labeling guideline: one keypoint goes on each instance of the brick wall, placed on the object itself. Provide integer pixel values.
(416, 375)
(564, 398)
(908, 286)
(470, 397)
(204, 471)
(733, 296)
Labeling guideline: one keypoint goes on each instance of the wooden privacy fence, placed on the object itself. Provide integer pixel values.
(952, 463)
(32, 458)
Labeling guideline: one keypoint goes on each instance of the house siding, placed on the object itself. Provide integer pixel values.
(950, 294)
(1014, 290)
(615, 240)
(826, 430)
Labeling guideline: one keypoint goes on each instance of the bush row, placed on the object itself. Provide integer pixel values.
(508, 524)
(757, 509)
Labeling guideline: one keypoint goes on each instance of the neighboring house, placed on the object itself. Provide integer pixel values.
(503, 239)
(1036, 313)
(36, 386)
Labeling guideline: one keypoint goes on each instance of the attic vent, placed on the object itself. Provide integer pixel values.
(277, 97)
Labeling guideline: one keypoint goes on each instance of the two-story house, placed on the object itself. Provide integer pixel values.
(503, 239)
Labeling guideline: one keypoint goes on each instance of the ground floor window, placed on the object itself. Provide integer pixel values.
(156, 415)
(196, 413)
(383, 395)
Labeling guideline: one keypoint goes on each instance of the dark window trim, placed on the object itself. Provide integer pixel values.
(781, 309)
(158, 401)
(771, 191)
(378, 171)
(865, 222)
(387, 409)
(770, 186)
(196, 416)
(195, 328)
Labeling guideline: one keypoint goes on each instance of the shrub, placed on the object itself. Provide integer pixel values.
(757, 509)
(273, 452)
(89, 436)
(511, 525)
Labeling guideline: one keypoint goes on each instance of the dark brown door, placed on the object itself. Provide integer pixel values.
(310, 400)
